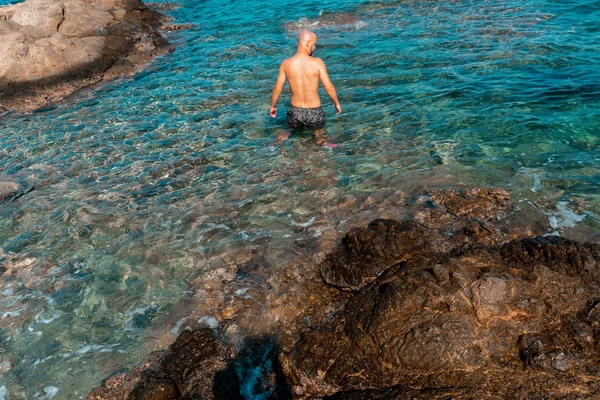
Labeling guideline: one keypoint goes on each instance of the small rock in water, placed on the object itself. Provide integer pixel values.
(49, 392)
(8, 189)
(177, 27)
(337, 20)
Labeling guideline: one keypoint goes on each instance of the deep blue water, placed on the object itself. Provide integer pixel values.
(143, 184)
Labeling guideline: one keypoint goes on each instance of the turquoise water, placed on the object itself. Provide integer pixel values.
(145, 184)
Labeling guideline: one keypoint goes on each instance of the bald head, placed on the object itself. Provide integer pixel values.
(307, 42)
(306, 36)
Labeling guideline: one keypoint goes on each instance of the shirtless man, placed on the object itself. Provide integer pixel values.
(303, 73)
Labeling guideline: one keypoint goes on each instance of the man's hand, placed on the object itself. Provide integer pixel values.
(273, 111)
(338, 108)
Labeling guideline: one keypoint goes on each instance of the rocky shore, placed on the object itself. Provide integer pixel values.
(466, 298)
(52, 48)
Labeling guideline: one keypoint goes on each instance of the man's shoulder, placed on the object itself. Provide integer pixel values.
(284, 65)
(287, 61)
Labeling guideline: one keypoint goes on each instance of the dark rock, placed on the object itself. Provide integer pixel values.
(186, 371)
(470, 320)
(533, 353)
(450, 218)
(365, 253)
(198, 366)
(406, 393)
(560, 255)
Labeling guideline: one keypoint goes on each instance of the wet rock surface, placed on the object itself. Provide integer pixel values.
(460, 298)
(187, 370)
(199, 366)
(52, 48)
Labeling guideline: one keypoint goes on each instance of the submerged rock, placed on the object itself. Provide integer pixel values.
(328, 20)
(457, 305)
(11, 190)
(8, 189)
(52, 48)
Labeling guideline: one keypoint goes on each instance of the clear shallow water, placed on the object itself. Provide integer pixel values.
(144, 184)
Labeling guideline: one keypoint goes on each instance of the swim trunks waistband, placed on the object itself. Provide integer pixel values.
(305, 118)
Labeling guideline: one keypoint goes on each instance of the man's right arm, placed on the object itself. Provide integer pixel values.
(277, 90)
(329, 86)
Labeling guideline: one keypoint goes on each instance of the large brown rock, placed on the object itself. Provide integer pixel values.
(518, 320)
(46, 14)
(445, 219)
(52, 48)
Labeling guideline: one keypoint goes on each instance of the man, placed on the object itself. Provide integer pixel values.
(303, 73)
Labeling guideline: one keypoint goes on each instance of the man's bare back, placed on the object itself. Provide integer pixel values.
(303, 73)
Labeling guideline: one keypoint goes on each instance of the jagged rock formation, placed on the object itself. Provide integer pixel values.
(511, 321)
(463, 301)
(51, 48)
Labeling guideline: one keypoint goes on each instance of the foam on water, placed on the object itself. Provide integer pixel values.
(177, 328)
(209, 321)
(564, 217)
(145, 186)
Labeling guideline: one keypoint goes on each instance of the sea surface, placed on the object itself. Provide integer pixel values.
(134, 189)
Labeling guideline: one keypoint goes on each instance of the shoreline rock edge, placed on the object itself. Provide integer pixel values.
(453, 303)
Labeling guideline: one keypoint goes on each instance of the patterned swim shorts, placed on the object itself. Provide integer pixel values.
(305, 118)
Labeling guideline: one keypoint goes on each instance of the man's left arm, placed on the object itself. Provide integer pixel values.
(329, 88)
(277, 90)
